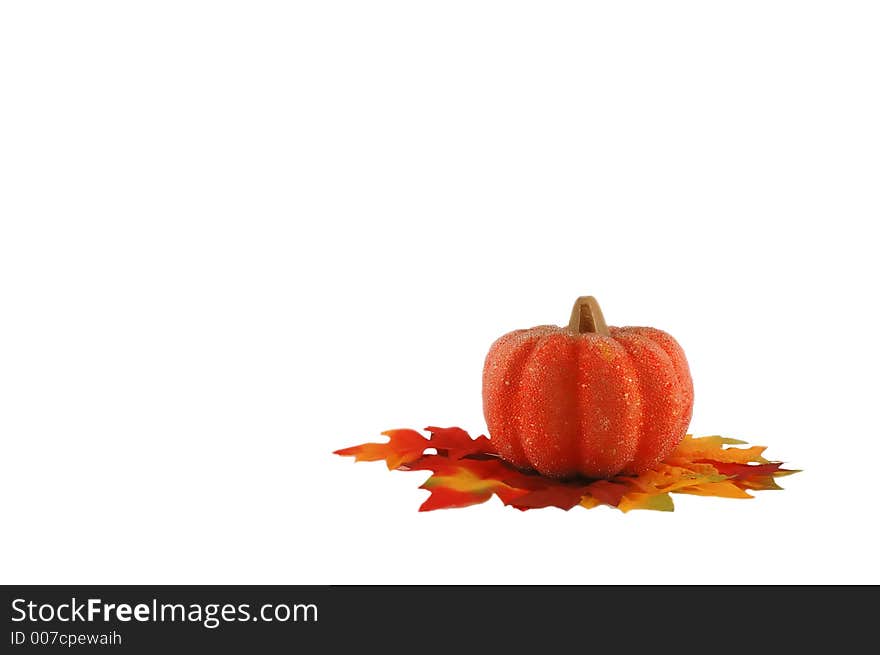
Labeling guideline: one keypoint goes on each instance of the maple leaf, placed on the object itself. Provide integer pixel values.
(457, 443)
(712, 448)
(403, 446)
(467, 471)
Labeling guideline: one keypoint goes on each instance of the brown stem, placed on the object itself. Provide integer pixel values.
(586, 316)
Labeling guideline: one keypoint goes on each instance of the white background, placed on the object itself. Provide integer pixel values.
(237, 236)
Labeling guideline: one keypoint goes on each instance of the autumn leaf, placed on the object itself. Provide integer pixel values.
(467, 471)
(456, 443)
(403, 446)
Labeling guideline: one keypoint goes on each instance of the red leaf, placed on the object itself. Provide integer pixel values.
(457, 443)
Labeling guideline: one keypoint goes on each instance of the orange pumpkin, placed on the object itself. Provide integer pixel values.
(586, 399)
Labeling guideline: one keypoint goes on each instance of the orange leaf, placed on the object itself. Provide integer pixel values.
(691, 449)
(403, 446)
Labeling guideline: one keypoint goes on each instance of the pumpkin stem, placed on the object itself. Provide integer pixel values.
(586, 316)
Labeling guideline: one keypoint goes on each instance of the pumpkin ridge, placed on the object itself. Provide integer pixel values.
(518, 432)
(580, 354)
(517, 427)
(607, 431)
(531, 407)
(656, 437)
(509, 351)
(667, 343)
(577, 354)
(637, 378)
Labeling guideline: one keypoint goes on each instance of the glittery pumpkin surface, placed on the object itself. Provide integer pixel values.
(565, 403)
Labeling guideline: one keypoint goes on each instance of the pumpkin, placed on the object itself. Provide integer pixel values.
(587, 399)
